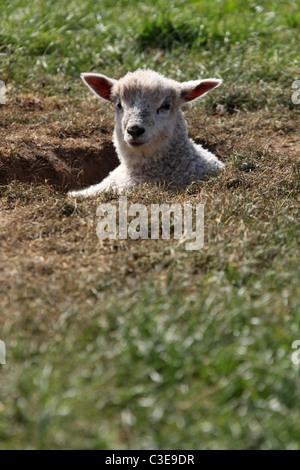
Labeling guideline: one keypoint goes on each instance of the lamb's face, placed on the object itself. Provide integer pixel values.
(147, 108)
(145, 119)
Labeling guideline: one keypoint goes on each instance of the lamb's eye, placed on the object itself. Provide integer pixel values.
(165, 106)
(119, 105)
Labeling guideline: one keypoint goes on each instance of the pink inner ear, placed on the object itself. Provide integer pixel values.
(100, 85)
(200, 90)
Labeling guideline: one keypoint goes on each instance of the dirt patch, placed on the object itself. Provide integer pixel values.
(44, 141)
(63, 167)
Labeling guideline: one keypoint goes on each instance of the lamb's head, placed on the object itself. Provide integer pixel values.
(147, 108)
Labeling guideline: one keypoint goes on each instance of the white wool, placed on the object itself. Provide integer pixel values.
(149, 104)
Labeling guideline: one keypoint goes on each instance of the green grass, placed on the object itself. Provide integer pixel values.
(141, 344)
(237, 40)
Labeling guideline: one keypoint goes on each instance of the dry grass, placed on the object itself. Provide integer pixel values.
(67, 143)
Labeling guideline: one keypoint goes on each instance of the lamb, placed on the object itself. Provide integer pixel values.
(150, 134)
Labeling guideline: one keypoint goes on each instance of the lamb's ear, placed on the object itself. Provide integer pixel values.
(99, 84)
(196, 88)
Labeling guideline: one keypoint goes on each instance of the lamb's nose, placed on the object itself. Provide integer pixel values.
(135, 131)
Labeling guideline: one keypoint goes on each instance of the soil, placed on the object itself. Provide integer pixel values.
(59, 153)
(64, 168)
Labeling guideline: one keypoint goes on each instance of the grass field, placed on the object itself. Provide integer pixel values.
(141, 344)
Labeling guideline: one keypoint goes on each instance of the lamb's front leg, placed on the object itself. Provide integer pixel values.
(110, 182)
(91, 191)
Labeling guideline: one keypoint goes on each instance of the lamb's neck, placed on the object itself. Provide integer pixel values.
(180, 141)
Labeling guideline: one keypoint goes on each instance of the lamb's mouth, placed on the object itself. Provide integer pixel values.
(135, 143)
